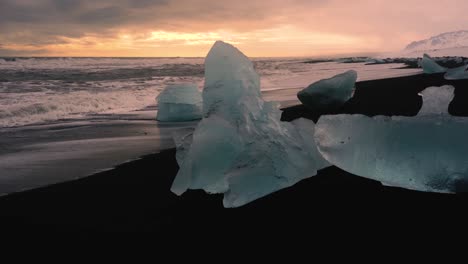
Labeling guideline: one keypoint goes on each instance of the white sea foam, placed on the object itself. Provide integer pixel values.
(40, 107)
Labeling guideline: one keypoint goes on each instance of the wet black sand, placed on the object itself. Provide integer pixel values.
(136, 196)
(393, 96)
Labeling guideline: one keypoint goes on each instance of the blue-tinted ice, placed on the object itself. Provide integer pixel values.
(430, 66)
(426, 152)
(329, 94)
(240, 147)
(458, 73)
(181, 102)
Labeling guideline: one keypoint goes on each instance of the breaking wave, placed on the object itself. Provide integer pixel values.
(49, 107)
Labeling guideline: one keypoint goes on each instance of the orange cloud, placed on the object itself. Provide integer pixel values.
(189, 27)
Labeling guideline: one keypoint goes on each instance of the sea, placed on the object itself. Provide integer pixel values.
(67, 118)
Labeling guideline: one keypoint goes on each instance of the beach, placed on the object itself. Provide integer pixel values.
(135, 196)
(91, 114)
(132, 198)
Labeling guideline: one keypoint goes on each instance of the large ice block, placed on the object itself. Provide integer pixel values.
(329, 94)
(430, 66)
(458, 73)
(241, 148)
(426, 152)
(181, 102)
(182, 140)
(231, 84)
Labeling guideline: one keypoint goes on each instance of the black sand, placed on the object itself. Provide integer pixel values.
(394, 96)
(136, 196)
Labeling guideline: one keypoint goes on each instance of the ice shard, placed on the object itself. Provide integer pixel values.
(182, 139)
(430, 66)
(329, 94)
(181, 102)
(426, 152)
(458, 73)
(241, 148)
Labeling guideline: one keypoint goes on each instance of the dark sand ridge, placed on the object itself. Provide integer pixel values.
(136, 196)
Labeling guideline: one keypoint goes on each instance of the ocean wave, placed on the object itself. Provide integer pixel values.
(83, 75)
(37, 90)
(50, 107)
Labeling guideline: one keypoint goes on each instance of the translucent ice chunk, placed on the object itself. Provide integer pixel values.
(181, 102)
(329, 94)
(241, 148)
(231, 83)
(215, 146)
(457, 73)
(272, 161)
(183, 139)
(425, 153)
(430, 66)
(436, 100)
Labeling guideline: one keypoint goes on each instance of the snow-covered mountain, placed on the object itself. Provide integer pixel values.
(446, 44)
(447, 40)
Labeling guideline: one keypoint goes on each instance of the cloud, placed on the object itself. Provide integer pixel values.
(58, 16)
(338, 25)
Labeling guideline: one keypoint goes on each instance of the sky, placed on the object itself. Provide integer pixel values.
(260, 28)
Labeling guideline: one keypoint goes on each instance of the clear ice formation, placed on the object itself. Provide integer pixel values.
(458, 73)
(182, 139)
(181, 102)
(329, 94)
(240, 147)
(430, 66)
(426, 152)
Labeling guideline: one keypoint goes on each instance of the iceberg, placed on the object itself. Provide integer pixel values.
(458, 73)
(430, 66)
(425, 153)
(329, 94)
(180, 102)
(241, 148)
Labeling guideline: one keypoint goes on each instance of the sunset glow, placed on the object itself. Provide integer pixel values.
(189, 27)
